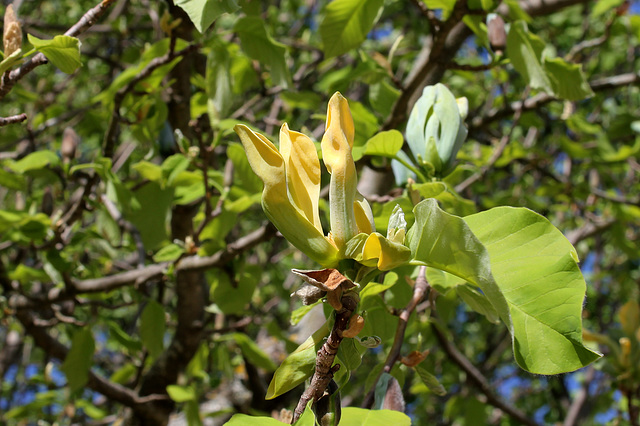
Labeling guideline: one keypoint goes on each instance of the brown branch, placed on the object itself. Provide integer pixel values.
(5, 121)
(136, 276)
(419, 290)
(578, 404)
(476, 377)
(447, 42)
(9, 79)
(541, 99)
(326, 355)
(588, 230)
(496, 153)
(111, 390)
(112, 129)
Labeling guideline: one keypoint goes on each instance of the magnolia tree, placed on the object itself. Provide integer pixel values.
(421, 259)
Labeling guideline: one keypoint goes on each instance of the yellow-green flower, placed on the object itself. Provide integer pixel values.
(291, 179)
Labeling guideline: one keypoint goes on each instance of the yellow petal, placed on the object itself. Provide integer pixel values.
(336, 153)
(363, 215)
(303, 172)
(388, 253)
(268, 164)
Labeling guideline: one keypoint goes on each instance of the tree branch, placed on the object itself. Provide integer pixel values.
(5, 121)
(326, 355)
(541, 99)
(419, 290)
(476, 377)
(137, 276)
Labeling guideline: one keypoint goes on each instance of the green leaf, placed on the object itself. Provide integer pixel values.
(129, 342)
(347, 23)
(445, 242)
(385, 144)
(63, 51)
(252, 351)
(300, 313)
(232, 298)
(525, 51)
(147, 170)
(168, 253)
(258, 44)
(350, 356)
(535, 267)
(152, 327)
(203, 12)
(11, 180)
(219, 84)
(352, 416)
(298, 366)
(602, 6)
(430, 380)
(307, 419)
(26, 274)
(181, 393)
(79, 359)
(567, 80)
(35, 161)
(478, 302)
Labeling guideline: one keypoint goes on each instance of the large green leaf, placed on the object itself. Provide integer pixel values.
(63, 51)
(35, 160)
(203, 12)
(525, 51)
(79, 359)
(347, 23)
(384, 144)
(445, 242)
(152, 327)
(535, 267)
(307, 419)
(259, 45)
(353, 416)
(297, 366)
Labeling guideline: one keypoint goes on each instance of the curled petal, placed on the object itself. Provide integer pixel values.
(303, 172)
(388, 253)
(269, 165)
(363, 215)
(336, 153)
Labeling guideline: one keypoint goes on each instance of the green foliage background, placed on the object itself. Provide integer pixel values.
(142, 264)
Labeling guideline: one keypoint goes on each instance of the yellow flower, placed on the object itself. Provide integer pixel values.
(291, 179)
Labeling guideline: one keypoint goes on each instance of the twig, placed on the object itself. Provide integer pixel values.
(541, 99)
(112, 282)
(324, 360)
(476, 377)
(589, 230)
(5, 121)
(110, 134)
(419, 290)
(496, 153)
(88, 19)
(578, 403)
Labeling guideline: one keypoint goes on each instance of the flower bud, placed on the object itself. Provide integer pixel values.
(12, 32)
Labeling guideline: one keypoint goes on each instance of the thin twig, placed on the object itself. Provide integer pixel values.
(419, 290)
(136, 276)
(476, 377)
(496, 153)
(5, 121)
(110, 134)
